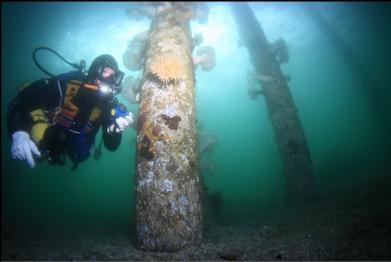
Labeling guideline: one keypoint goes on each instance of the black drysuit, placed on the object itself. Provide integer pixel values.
(59, 140)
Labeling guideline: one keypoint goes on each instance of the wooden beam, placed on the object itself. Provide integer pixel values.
(292, 144)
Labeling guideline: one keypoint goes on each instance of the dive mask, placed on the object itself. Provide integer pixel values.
(111, 84)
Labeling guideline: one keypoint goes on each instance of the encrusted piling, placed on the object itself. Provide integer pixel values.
(293, 148)
(168, 208)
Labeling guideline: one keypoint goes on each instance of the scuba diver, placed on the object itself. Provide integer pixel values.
(61, 115)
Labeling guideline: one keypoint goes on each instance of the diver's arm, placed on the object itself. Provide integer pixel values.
(111, 141)
(44, 93)
(117, 119)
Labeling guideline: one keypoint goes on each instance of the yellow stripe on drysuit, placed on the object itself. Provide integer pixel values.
(41, 123)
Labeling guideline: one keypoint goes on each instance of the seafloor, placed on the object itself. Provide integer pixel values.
(355, 225)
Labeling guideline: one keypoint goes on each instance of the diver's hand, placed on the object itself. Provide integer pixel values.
(23, 148)
(120, 124)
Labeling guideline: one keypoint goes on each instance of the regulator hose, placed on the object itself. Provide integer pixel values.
(80, 66)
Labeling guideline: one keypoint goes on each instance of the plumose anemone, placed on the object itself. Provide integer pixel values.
(134, 55)
(207, 144)
(205, 56)
(131, 87)
(254, 92)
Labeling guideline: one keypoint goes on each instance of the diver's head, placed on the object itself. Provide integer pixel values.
(104, 72)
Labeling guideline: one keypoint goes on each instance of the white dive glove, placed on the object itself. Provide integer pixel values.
(23, 147)
(120, 124)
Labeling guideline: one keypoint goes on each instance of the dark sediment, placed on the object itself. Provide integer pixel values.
(352, 226)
